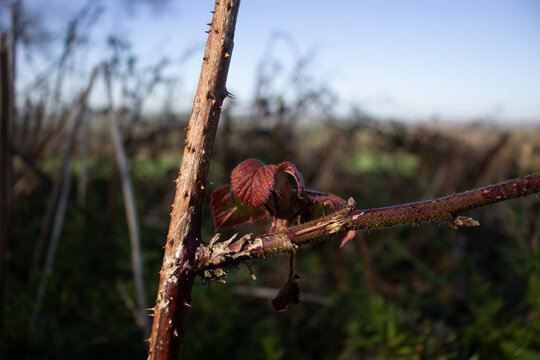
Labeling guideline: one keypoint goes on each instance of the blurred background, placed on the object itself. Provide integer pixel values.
(387, 102)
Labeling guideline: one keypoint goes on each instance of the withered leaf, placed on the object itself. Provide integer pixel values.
(287, 296)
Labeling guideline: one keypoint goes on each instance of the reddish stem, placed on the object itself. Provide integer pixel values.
(441, 210)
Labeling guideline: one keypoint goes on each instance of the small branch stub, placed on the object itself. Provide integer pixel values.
(465, 221)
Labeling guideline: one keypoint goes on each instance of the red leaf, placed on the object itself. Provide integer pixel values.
(228, 211)
(289, 168)
(285, 191)
(331, 200)
(348, 237)
(252, 181)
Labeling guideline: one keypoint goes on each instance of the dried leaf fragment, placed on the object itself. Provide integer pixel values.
(287, 296)
(465, 221)
(348, 237)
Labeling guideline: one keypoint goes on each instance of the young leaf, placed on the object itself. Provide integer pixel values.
(285, 192)
(228, 211)
(252, 181)
(289, 168)
(333, 201)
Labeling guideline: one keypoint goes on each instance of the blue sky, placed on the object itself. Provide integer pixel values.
(455, 60)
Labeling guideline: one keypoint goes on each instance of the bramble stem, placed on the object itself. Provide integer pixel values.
(442, 210)
(177, 271)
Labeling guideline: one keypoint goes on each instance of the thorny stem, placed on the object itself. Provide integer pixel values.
(442, 210)
(177, 271)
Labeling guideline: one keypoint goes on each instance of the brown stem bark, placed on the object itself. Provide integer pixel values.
(178, 269)
(441, 210)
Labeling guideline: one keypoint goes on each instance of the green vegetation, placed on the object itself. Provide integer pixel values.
(439, 293)
(399, 163)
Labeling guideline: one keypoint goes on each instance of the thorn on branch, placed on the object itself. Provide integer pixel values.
(227, 93)
(220, 252)
(214, 240)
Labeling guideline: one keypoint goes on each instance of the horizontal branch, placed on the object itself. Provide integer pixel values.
(442, 210)
(270, 293)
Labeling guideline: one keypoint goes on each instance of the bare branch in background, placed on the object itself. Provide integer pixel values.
(270, 293)
(82, 184)
(64, 182)
(130, 205)
(76, 32)
(6, 161)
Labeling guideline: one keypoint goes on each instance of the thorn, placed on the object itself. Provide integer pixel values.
(227, 55)
(214, 239)
(228, 94)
